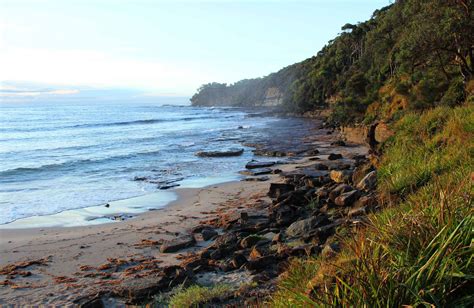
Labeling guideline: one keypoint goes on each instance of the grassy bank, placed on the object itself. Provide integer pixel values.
(418, 250)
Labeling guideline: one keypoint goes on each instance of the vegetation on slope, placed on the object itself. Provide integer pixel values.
(419, 249)
(411, 55)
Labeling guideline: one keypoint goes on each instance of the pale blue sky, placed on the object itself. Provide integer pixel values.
(164, 47)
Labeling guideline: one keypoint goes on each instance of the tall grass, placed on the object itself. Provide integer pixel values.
(419, 250)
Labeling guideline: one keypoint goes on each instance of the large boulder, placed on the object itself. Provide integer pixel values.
(305, 226)
(177, 244)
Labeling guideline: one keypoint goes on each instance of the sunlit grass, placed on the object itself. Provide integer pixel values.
(419, 249)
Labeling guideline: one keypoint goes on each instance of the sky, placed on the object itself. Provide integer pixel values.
(163, 48)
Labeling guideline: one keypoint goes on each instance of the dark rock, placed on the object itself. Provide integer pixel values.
(359, 211)
(208, 233)
(230, 152)
(312, 152)
(167, 186)
(369, 202)
(177, 244)
(238, 260)
(277, 189)
(320, 166)
(338, 143)
(304, 226)
(340, 176)
(334, 156)
(368, 182)
(261, 263)
(330, 250)
(347, 198)
(360, 172)
(249, 241)
(277, 171)
(257, 179)
(258, 252)
(199, 228)
(254, 172)
(258, 165)
(226, 240)
(216, 254)
(341, 188)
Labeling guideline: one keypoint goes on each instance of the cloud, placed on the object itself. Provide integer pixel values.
(11, 91)
(95, 68)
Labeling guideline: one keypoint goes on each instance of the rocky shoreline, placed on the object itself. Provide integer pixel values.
(331, 186)
(309, 186)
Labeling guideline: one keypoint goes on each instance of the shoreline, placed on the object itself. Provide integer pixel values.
(73, 264)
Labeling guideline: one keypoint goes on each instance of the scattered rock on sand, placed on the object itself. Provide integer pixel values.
(177, 244)
(254, 172)
(257, 164)
(278, 189)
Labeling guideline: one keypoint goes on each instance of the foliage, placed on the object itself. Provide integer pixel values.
(423, 47)
(418, 250)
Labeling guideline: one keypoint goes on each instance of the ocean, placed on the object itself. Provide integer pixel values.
(71, 155)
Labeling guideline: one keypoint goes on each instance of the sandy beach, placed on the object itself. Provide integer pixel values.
(63, 265)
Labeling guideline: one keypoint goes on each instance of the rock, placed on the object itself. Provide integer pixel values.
(257, 179)
(340, 176)
(254, 172)
(347, 198)
(167, 186)
(227, 153)
(338, 143)
(278, 238)
(369, 202)
(322, 192)
(368, 182)
(330, 250)
(226, 240)
(257, 252)
(249, 241)
(238, 260)
(360, 172)
(261, 263)
(278, 189)
(312, 152)
(258, 165)
(341, 188)
(333, 156)
(320, 166)
(177, 244)
(304, 226)
(208, 233)
(199, 228)
(359, 211)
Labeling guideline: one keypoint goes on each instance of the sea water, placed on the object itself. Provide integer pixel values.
(61, 156)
